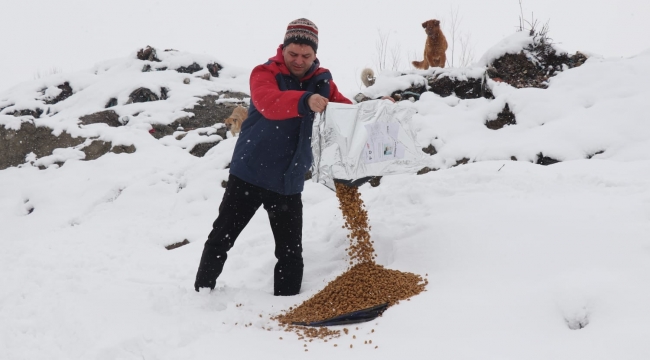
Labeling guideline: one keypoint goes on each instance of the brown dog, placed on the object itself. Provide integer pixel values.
(434, 48)
(234, 121)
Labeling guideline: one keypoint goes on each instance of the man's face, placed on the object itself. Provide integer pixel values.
(298, 58)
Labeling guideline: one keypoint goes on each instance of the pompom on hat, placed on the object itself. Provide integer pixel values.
(302, 31)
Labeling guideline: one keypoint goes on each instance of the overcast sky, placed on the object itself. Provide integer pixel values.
(69, 35)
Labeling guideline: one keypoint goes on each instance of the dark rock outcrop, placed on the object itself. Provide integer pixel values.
(111, 102)
(98, 148)
(208, 112)
(191, 69)
(413, 92)
(214, 69)
(468, 88)
(108, 117)
(15, 145)
(142, 94)
(534, 65)
(147, 54)
(431, 150)
(545, 160)
(35, 113)
(199, 150)
(66, 92)
(505, 117)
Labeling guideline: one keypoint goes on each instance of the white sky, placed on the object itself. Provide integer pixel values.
(71, 35)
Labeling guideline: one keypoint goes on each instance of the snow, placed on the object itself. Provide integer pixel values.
(516, 254)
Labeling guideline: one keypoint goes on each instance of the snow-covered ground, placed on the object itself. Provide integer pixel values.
(523, 261)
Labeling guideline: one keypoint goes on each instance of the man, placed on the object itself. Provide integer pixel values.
(272, 156)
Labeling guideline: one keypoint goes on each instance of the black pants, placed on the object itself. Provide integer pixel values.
(240, 202)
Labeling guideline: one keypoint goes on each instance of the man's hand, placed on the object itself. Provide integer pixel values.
(317, 103)
(387, 98)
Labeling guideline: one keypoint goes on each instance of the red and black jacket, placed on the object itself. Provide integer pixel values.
(273, 150)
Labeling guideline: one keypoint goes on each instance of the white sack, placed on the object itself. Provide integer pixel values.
(372, 138)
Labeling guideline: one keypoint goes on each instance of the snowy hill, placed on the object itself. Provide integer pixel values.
(524, 261)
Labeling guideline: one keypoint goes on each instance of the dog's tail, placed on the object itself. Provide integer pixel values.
(368, 77)
(420, 64)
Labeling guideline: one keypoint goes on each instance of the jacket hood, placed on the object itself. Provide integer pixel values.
(278, 59)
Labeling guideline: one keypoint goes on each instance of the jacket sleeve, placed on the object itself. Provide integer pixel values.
(272, 103)
(336, 96)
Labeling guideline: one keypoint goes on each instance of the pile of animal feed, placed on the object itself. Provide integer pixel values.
(363, 285)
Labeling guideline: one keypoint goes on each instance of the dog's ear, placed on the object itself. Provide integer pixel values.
(424, 24)
(436, 22)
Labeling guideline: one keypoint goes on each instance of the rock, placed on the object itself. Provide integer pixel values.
(214, 69)
(98, 148)
(142, 94)
(545, 160)
(199, 150)
(594, 154)
(159, 131)
(206, 76)
(533, 66)
(186, 81)
(108, 117)
(375, 181)
(361, 98)
(207, 112)
(147, 54)
(505, 117)
(470, 88)
(425, 170)
(36, 113)
(414, 91)
(190, 69)
(16, 144)
(123, 149)
(431, 150)
(66, 92)
(111, 102)
(462, 161)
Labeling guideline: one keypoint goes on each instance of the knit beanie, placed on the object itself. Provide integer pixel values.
(302, 31)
